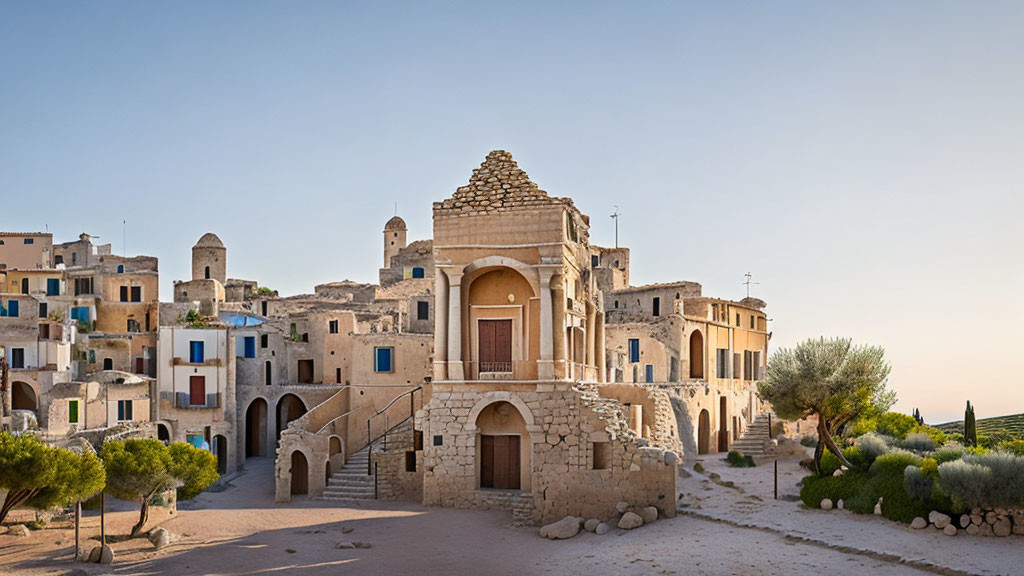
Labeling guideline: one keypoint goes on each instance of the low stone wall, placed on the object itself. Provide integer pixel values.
(993, 522)
(394, 480)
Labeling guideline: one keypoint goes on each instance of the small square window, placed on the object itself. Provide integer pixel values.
(30, 241)
(602, 455)
(383, 360)
(124, 410)
(332, 326)
(438, 440)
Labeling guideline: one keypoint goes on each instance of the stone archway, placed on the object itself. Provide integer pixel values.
(289, 407)
(23, 397)
(299, 473)
(256, 428)
(505, 448)
(163, 433)
(704, 432)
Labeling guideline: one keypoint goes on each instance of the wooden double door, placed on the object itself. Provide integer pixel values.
(499, 462)
(495, 345)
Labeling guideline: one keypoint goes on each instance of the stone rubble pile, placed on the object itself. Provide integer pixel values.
(497, 185)
(630, 517)
(979, 522)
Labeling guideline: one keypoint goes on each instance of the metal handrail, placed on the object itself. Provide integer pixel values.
(369, 421)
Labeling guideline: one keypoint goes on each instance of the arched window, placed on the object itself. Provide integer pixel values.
(417, 272)
(120, 268)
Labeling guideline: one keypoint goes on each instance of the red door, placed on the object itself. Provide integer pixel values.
(495, 345)
(197, 390)
(140, 366)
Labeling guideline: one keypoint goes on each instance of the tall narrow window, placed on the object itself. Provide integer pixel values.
(17, 357)
(12, 308)
(197, 390)
(53, 286)
(634, 350)
(124, 293)
(120, 268)
(383, 359)
(649, 373)
(207, 273)
(249, 347)
(656, 306)
(72, 411)
(337, 375)
(24, 285)
(751, 321)
(195, 352)
(42, 310)
(423, 310)
(722, 363)
(124, 410)
(136, 293)
(332, 326)
(737, 318)
(264, 340)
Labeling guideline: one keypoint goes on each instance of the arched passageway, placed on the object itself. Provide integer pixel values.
(300, 473)
(256, 428)
(696, 355)
(162, 433)
(289, 407)
(23, 397)
(704, 432)
(505, 448)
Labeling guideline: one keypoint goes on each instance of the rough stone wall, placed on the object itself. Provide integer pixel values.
(563, 423)
(640, 299)
(394, 482)
(419, 254)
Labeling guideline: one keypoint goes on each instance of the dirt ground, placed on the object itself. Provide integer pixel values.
(241, 531)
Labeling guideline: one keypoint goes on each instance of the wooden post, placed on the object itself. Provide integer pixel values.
(776, 478)
(78, 520)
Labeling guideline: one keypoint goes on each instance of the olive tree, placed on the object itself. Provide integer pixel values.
(41, 476)
(139, 469)
(831, 379)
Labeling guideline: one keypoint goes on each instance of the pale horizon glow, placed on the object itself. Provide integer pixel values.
(862, 161)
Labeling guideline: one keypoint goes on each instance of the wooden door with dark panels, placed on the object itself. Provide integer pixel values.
(495, 345)
(499, 462)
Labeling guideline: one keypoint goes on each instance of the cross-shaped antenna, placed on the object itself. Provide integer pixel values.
(615, 216)
(748, 282)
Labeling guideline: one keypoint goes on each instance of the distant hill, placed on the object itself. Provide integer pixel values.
(1013, 424)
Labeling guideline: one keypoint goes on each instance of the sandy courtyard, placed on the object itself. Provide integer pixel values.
(241, 531)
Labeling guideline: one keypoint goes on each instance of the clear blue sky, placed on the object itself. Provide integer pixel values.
(862, 160)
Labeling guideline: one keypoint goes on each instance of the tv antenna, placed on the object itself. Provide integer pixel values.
(748, 282)
(615, 216)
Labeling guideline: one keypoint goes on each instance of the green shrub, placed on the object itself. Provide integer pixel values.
(949, 452)
(1015, 447)
(843, 487)
(938, 436)
(918, 442)
(872, 446)
(861, 426)
(698, 467)
(736, 459)
(36, 524)
(993, 479)
(966, 483)
(896, 425)
(917, 484)
(809, 441)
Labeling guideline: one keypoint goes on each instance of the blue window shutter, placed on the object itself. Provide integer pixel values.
(383, 363)
(52, 286)
(250, 346)
(634, 350)
(12, 308)
(649, 373)
(120, 410)
(195, 352)
(417, 272)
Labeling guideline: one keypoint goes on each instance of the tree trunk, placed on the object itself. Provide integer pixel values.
(824, 437)
(819, 449)
(14, 499)
(143, 516)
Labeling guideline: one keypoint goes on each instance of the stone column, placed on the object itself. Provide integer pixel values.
(602, 369)
(591, 342)
(558, 326)
(545, 366)
(440, 325)
(455, 369)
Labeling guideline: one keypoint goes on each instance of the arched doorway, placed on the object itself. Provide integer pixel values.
(289, 407)
(723, 424)
(23, 397)
(499, 300)
(220, 448)
(162, 433)
(704, 432)
(256, 428)
(696, 355)
(300, 473)
(504, 455)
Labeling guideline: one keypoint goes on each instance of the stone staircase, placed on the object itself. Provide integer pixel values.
(351, 482)
(756, 439)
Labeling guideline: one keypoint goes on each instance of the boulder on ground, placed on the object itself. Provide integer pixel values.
(1002, 527)
(591, 525)
(949, 530)
(345, 546)
(919, 523)
(565, 528)
(649, 514)
(939, 519)
(602, 529)
(973, 530)
(671, 459)
(630, 520)
(102, 555)
(622, 507)
(878, 507)
(18, 530)
(965, 520)
(839, 504)
(159, 537)
(826, 503)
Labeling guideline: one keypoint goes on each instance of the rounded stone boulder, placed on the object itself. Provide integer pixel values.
(919, 523)
(630, 520)
(591, 525)
(1002, 527)
(602, 529)
(622, 507)
(159, 537)
(949, 530)
(939, 519)
(965, 520)
(649, 514)
(671, 459)
(826, 504)
(565, 528)
(19, 530)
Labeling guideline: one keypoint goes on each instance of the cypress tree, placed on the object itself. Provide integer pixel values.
(970, 426)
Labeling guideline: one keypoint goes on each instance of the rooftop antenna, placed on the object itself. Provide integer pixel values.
(748, 282)
(615, 216)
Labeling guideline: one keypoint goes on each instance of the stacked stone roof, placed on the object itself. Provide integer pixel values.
(497, 186)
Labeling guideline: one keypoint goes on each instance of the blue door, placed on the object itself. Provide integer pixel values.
(250, 346)
(52, 286)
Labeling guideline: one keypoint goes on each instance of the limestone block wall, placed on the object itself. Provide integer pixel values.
(394, 480)
(315, 448)
(565, 426)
